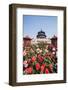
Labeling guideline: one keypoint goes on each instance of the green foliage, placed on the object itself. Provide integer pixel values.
(47, 61)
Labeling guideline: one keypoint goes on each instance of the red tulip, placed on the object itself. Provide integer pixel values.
(42, 68)
(40, 58)
(33, 59)
(29, 70)
(44, 65)
(37, 66)
(46, 71)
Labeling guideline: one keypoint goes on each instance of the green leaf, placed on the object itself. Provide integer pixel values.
(44, 52)
(54, 68)
(34, 63)
(37, 72)
(23, 58)
(34, 71)
(47, 61)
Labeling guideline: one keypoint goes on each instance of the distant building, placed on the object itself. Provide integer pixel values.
(27, 41)
(41, 34)
(41, 37)
(54, 41)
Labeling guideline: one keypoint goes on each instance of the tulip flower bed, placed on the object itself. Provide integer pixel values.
(39, 59)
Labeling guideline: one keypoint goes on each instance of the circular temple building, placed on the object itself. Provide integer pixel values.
(41, 34)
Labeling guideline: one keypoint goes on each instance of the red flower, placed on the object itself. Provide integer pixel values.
(29, 70)
(40, 58)
(33, 59)
(43, 67)
(46, 71)
(37, 66)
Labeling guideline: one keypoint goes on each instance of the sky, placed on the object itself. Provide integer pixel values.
(34, 24)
